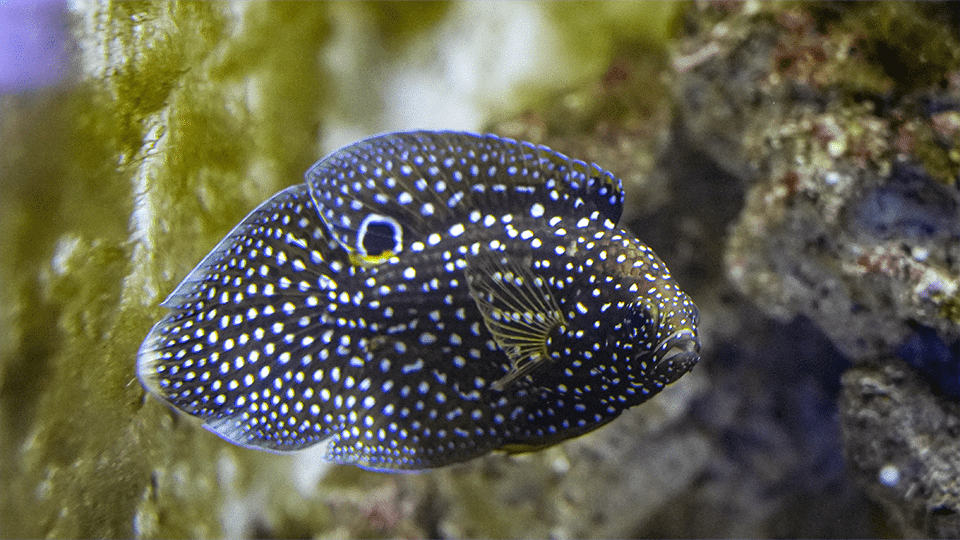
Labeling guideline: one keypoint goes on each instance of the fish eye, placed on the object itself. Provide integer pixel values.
(379, 235)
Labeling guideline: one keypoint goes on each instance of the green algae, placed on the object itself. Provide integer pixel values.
(398, 23)
(938, 149)
(898, 49)
(893, 47)
(592, 30)
(949, 306)
(90, 456)
(914, 44)
(179, 128)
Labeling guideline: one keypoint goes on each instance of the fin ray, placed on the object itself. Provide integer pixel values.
(518, 308)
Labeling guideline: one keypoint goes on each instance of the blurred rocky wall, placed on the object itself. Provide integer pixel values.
(842, 124)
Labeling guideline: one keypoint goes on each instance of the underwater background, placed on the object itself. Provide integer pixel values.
(797, 166)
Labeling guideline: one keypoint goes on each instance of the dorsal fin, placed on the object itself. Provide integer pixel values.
(518, 308)
(405, 186)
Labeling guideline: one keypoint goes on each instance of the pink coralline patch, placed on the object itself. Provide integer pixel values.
(894, 261)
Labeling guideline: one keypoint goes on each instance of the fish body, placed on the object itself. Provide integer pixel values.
(423, 299)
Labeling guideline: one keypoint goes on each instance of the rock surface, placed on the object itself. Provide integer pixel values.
(842, 124)
(901, 442)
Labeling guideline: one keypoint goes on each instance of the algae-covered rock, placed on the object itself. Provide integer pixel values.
(114, 181)
(846, 216)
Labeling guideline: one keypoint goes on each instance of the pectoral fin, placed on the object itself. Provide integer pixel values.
(518, 309)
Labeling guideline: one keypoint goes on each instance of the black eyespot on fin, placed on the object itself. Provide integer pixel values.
(379, 235)
(429, 181)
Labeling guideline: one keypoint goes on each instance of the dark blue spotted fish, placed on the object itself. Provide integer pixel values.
(424, 299)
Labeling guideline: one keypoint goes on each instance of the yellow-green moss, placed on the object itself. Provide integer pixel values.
(913, 43)
(161, 119)
(949, 307)
(940, 155)
(399, 21)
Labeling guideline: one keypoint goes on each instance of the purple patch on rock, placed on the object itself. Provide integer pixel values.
(33, 52)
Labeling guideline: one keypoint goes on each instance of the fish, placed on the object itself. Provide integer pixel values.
(424, 299)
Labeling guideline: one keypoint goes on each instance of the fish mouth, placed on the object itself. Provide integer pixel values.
(676, 355)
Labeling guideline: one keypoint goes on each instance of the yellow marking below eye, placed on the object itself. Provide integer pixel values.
(369, 261)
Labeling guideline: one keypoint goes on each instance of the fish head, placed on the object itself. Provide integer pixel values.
(657, 332)
(671, 345)
(678, 348)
